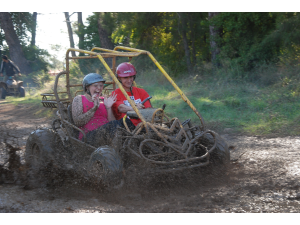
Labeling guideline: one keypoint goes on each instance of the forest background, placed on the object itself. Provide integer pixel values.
(240, 70)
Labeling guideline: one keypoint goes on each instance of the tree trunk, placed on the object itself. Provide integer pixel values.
(193, 37)
(104, 38)
(214, 32)
(15, 49)
(70, 33)
(80, 32)
(182, 27)
(34, 19)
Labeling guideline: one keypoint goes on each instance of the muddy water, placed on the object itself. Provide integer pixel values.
(263, 177)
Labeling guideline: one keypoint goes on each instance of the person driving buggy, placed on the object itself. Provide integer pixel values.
(126, 74)
(92, 112)
(9, 66)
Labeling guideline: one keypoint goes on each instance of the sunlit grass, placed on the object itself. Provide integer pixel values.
(34, 100)
(244, 107)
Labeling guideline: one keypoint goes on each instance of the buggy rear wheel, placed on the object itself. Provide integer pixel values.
(220, 156)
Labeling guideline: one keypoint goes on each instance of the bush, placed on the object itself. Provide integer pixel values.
(38, 78)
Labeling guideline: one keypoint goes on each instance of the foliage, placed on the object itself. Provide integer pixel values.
(39, 78)
(246, 40)
(75, 73)
(23, 24)
(158, 33)
(249, 40)
(36, 57)
(242, 38)
(91, 33)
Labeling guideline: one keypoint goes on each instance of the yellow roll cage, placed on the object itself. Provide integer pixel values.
(107, 53)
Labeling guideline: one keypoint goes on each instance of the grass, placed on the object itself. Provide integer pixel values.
(34, 100)
(266, 108)
(245, 107)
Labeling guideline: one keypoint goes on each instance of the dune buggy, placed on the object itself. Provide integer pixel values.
(11, 88)
(162, 143)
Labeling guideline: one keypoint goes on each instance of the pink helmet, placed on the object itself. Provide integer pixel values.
(126, 70)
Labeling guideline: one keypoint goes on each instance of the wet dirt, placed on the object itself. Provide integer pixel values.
(263, 177)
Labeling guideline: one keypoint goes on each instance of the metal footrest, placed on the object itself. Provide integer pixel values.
(51, 103)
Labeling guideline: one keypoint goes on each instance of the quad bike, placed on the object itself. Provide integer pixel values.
(161, 143)
(11, 88)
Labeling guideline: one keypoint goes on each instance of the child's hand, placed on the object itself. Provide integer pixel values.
(96, 101)
(109, 101)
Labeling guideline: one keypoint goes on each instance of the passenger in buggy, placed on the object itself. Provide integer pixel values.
(92, 112)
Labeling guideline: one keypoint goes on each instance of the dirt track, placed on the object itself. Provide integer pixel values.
(263, 177)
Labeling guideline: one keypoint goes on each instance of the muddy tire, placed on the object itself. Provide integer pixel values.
(40, 156)
(2, 93)
(220, 156)
(106, 168)
(221, 153)
(21, 92)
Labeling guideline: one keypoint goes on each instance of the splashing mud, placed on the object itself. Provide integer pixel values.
(263, 177)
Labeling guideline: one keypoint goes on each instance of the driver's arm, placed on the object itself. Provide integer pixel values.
(16, 68)
(124, 108)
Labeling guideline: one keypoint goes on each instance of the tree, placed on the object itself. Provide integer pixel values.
(214, 33)
(34, 19)
(184, 41)
(70, 32)
(104, 37)
(15, 49)
(182, 25)
(80, 32)
(243, 38)
(103, 34)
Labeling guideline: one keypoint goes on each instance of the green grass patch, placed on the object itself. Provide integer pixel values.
(34, 101)
(246, 107)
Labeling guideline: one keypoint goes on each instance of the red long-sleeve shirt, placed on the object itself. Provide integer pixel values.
(138, 96)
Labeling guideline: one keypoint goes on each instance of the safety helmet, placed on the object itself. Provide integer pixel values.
(90, 79)
(126, 69)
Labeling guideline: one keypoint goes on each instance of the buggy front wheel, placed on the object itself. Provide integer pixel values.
(106, 167)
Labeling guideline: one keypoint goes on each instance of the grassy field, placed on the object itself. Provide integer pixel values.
(251, 108)
(34, 100)
(246, 107)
